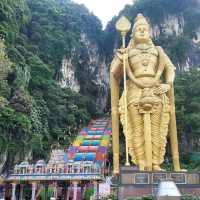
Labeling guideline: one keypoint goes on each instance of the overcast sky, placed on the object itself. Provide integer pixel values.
(104, 9)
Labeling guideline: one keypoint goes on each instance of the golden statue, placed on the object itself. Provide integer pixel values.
(146, 108)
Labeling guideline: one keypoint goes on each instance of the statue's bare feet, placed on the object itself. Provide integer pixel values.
(183, 170)
(157, 168)
(141, 167)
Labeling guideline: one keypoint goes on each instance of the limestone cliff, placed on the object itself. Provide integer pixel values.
(68, 79)
(86, 71)
(174, 26)
(171, 25)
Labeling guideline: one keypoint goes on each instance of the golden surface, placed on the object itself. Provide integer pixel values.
(146, 107)
(1, 180)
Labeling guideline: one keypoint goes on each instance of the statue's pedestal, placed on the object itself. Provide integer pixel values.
(133, 183)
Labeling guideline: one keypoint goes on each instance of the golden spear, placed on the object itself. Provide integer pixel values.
(123, 26)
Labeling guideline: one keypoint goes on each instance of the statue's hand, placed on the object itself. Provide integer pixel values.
(122, 50)
(142, 85)
(151, 84)
(122, 53)
(161, 89)
(139, 83)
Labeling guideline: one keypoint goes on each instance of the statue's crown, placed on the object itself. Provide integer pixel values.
(140, 20)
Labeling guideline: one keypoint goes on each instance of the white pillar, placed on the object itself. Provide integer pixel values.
(75, 183)
(68, 192)
(55, 190)
(4, 191)
(95, 189)
(13, 191)
(34, 187)
(21, 192)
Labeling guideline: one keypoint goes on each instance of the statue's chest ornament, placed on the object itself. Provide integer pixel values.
(145, 60)
(145, 63)
(144, 57)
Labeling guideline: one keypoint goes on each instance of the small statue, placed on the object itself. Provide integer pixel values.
(149, 101)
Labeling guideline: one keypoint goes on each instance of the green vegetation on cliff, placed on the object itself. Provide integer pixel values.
(35, 112)
(187, 92)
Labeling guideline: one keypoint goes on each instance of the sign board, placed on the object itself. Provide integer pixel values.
(158, 177)
(141, 178)
(178, 178)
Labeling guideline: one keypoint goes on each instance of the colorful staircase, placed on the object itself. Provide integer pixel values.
(92, 143)
(85, 159)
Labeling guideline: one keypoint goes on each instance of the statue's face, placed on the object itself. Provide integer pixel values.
(142, 34)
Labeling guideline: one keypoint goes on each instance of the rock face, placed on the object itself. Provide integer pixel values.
(3, 158)
(86, 71)
(68, 79)
(196, 38)
(171, 25)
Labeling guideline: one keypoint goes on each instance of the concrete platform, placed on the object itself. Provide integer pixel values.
(133, 183)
